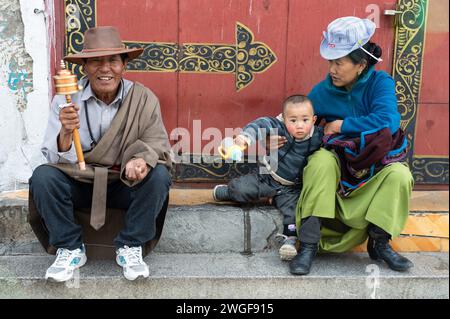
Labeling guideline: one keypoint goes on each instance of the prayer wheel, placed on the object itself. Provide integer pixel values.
(66, 83)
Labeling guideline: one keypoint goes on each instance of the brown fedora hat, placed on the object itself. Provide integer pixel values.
(102, 41)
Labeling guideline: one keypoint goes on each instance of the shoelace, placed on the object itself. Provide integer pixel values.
(132, 255)
(63, 257)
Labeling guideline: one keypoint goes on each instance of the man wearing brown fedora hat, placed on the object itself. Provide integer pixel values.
(126, 149)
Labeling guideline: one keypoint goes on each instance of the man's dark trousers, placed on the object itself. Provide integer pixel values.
(57, 195)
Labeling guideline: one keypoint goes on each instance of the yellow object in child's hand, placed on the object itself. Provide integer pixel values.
(228, 149)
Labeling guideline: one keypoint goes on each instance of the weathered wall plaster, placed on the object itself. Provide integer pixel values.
(24, 89)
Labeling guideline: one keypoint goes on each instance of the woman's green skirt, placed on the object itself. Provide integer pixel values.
(383, 201)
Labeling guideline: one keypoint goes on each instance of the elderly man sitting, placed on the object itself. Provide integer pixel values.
(127, 154)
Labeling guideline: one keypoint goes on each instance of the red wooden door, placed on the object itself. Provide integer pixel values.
(213, 98)
(217, 64)
(147, 22)
(307, 20)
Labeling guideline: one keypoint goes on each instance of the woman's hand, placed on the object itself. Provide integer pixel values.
(333, 127)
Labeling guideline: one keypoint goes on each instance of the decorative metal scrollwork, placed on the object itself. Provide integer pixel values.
(80, 16)
(407, 73)
(156, 57)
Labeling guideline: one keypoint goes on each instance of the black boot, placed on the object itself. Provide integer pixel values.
(378, 248)
(301, 264)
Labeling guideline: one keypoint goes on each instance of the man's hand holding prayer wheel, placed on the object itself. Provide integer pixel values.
(70, 120)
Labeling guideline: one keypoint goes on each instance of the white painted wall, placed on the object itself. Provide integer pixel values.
(23, 119)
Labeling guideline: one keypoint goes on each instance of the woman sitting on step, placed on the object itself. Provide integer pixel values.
(341, 203)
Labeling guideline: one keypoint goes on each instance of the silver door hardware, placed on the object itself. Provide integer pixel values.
(392, 12)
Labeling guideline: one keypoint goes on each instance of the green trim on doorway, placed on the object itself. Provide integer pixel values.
(407, 72)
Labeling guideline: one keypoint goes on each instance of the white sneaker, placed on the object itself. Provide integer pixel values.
(287, 250)
(130, 259)
(65, 263)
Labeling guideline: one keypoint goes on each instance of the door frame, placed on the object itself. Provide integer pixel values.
(408, 55)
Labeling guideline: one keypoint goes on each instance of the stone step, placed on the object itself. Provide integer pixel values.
(202, 227)
(187, 229)
(436, 201)
(232, 275)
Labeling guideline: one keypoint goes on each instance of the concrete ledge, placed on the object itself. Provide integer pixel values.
(187, 229)
(232, 276)
(226, 227)
(223, 228)
(202, 229)
(437, 201)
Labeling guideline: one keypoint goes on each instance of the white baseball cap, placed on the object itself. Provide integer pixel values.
(345, 35)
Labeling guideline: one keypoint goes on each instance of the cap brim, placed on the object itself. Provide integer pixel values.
(332, 54)
(335, 53)
(79, 57)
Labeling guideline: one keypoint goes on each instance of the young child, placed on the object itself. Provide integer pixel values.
(283, 182)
